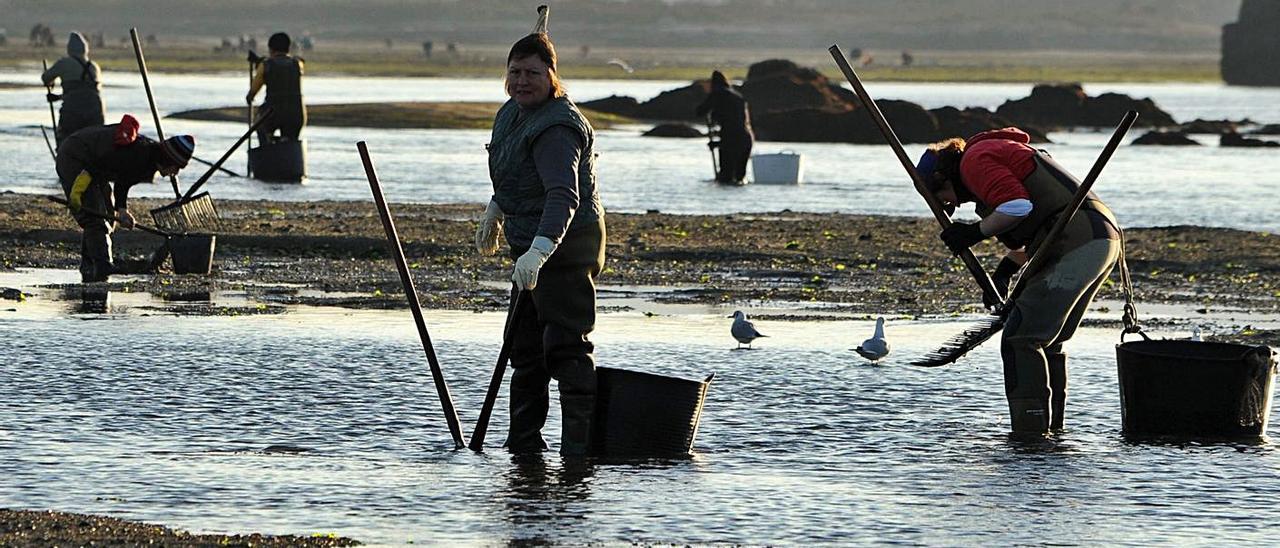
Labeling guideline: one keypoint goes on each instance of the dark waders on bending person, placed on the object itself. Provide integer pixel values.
(96, 167)
(81, 89)
(1053, 301)
(546, 201)
(281, 73)
(728, 109)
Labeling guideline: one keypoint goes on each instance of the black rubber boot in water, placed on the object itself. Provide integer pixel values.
(529, 402)
(1058, 384)
(1029, 416)
(575, 435)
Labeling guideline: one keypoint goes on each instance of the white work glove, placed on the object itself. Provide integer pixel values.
(528, 265)
(126, 218)
(490, 230)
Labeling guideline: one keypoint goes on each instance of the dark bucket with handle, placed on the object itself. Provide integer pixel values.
(192, 253)
(646, 415)
(279, 162)
(1195, 389)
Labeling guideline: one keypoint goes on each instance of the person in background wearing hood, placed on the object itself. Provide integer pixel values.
(542, 164)
(97, 166)
(1019, 192)
(81, 89)
(282, 74)
(729, 111)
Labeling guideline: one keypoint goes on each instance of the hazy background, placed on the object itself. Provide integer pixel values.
(1163, 26)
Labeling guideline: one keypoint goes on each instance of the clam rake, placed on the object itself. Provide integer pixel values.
(984, 329)
(196, 212)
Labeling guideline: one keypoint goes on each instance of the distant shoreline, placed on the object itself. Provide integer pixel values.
(673, 64)
(395, 115)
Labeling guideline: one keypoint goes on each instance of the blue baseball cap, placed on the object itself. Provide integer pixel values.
(927, 164)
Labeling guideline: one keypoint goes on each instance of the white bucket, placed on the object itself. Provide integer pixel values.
(783, 168)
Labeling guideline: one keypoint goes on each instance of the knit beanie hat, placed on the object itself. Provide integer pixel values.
(178, 150)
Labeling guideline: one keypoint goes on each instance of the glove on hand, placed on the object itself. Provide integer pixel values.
(528, 265)
(1001, 277)
(52, 97)
(75, 198)
(126, 218)
(490, 230)
(961, 236)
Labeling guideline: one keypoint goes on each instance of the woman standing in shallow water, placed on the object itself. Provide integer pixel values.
(542, 165)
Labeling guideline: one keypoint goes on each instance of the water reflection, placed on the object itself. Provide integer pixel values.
(542, 501)
(87, 299)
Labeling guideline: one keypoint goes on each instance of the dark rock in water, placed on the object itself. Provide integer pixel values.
(1215, 127)
(1269, 129)
(953, 122)
(673, 130)
(1251, 45)
(675, 104)
(779, 84)
(615, 104)
(1053, 106)
(911, 122)
(1171, 138)
(1236, 140)
(284, 449)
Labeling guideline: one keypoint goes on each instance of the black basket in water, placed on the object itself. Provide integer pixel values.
(1195, 389)
(192, 253)
(646, 415)
(281, 161)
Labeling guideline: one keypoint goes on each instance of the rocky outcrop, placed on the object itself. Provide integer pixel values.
(778, 84)
(1236, 140)
(1251, 46)
(953, 122)
(1166, 138)
(1054, 106)
(674, 130)
(1269, 129)
(1215, 127)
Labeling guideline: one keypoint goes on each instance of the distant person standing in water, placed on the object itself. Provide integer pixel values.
(81, 89)
(282, 74)
(729, 111)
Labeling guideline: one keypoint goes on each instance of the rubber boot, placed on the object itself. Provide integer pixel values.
(1029, 416)
(576, 411)
(95, 254)
(1058, 384)
(529, 403)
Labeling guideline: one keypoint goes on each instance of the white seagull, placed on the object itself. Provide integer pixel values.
(743, 330)
(876, 347)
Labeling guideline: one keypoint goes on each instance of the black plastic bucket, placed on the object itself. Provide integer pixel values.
(1195, 389)
(281, 161)
(646, 415)
(192, 253)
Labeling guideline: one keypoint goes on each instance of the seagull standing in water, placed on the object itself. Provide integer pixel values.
(743, 330)
(876, 347)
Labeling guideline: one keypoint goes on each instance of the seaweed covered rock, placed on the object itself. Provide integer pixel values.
(674, 130)
(953, 122)
(1166, 138)
(779, 84)
(1052, 106)
(1234, 139)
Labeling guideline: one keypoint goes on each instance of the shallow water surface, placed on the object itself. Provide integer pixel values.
(163, 418)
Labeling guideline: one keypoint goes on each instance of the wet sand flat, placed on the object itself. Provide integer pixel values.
(865, 264)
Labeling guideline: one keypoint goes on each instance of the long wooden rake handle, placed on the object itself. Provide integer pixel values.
(218, 165)
(393, 241)
(939, 213)
(108, 217)
(146, 84)
(499, 370)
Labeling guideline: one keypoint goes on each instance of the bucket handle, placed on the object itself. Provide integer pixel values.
(1135, 329)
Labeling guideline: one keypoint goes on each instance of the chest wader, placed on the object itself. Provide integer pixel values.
(96, 262)
(550, 333)
(1054, 299)
(283, 78)
(81, 103)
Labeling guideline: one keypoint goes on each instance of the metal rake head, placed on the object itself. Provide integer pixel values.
(197, 214)
(961, 344)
